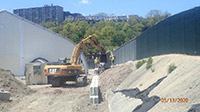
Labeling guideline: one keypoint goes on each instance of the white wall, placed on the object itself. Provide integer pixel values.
(21, 41)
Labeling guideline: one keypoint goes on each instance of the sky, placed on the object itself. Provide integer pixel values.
(116, 7)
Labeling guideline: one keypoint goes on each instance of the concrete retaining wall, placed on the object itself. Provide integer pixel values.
(94, 89)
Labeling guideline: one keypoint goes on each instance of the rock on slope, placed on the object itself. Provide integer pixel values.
(142, 90)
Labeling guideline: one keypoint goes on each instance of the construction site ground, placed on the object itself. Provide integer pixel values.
(124, 89)
(44, 98)
(128, 89)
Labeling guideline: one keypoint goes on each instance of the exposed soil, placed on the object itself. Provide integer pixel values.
(16, 88)
(9, 83)
(113, 77)
(44, 98)
(124, 89)
(144, 90)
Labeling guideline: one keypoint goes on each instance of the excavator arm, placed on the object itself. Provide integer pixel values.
(83, 44)
(73, 71)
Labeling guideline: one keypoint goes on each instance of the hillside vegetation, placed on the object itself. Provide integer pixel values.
(111, 34)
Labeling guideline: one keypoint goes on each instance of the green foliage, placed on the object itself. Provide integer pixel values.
(49, 24)
(149, 63)
(152, 70)
(140, 63)
(171, 68)
(111, 34)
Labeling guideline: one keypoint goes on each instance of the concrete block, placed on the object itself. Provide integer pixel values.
(4, 95)
(94, 90)
(96, 71)
(94, 99)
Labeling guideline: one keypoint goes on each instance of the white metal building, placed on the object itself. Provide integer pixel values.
(21, 41)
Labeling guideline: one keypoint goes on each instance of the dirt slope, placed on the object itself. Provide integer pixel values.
(125, 89)
(142, 90)
(17, 89)
(45, 98)
(9, 83)
(113, 77)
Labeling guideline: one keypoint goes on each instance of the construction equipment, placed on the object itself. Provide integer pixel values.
(71, 70)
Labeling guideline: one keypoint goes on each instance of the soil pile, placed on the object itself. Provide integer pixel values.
(17, 89)
(155, 90)
(9, 83)
(113, 77)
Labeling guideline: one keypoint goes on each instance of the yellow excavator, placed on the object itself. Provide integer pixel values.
(71, 70)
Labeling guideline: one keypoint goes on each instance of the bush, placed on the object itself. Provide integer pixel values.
(171, 68)
(152, 70)
(149, 63)
(140, 63)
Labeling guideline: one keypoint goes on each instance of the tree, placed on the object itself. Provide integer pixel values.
(118, 39)
(82, 27)
(166, 14)
(49, 24)
(138, 29)
(132, 21)
(126, 27)
(110, 34)
(129, 35)
(154, 13)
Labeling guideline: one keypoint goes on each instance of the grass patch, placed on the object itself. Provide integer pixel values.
(152, 70)
(149, 63)
(140, 63)
(171, 68)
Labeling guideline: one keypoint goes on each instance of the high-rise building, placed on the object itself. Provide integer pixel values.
(42, 14)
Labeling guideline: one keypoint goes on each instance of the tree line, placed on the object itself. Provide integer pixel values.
(111, 34)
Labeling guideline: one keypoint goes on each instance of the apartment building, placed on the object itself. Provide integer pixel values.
(42, 14)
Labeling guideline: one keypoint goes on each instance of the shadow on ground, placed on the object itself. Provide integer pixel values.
(148, 102)
(70, 86)
(195, 108)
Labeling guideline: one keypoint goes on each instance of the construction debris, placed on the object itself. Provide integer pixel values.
(4, 95)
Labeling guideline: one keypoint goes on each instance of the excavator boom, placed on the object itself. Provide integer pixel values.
(92, 40)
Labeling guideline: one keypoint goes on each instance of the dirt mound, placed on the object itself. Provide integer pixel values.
(17, 89)
(113, 77)
(154, 90)
(84, 105)
(9, 83)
